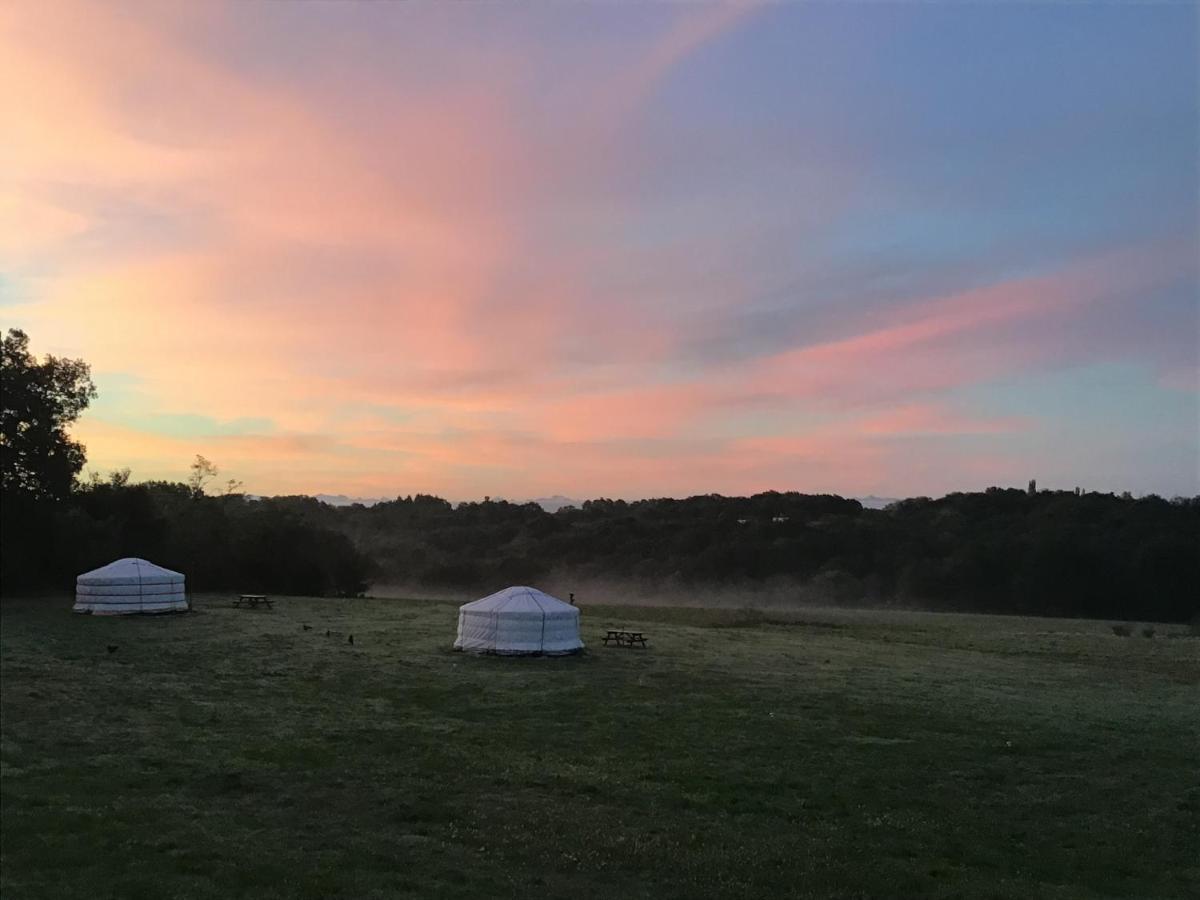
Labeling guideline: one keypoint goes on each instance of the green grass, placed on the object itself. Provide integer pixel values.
(229, 753)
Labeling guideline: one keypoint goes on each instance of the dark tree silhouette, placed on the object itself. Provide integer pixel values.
(202, 471)
(37, 403)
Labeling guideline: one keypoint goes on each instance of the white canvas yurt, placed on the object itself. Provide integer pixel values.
(519, 621)
(130, 586)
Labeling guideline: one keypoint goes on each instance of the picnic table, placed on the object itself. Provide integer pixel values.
(625, 638)
(254, 601)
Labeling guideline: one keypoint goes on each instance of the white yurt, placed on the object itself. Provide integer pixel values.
(130, 586)
(519, 621)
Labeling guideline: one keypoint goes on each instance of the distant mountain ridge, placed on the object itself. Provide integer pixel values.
(554, 503)
(343, 500)
(872, 502)
(550, 504)
(557, 502)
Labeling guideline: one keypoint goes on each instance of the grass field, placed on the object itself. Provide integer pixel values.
(230, 753)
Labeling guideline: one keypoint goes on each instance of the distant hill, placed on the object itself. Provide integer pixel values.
(557, 502)
(550, 504)
(343, 500)
(554, 503)
(873, 502)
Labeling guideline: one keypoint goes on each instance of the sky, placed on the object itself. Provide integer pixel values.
(610, 248)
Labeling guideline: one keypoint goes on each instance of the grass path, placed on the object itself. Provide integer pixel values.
(230, 753)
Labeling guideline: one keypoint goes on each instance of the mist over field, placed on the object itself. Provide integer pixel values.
(590, 590)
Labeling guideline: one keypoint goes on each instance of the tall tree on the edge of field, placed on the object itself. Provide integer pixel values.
(38, 401)
(203, 471)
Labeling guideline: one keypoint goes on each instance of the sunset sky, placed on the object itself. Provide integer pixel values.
(613, 249)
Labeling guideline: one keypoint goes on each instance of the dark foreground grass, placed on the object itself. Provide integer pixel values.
(230, 753)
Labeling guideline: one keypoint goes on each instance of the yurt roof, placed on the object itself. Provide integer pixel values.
(519, 599)
(130, 568)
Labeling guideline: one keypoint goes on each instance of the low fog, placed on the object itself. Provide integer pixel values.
(592, 591)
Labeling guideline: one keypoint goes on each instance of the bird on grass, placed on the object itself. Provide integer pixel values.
(112, 648)
(306, 627)
(351, 640)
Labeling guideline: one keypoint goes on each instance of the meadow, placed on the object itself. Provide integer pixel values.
(814, 753)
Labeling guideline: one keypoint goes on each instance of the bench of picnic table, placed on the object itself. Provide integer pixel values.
(253, 601)
(625, 638)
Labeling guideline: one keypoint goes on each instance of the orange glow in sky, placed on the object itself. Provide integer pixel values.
(610, 249)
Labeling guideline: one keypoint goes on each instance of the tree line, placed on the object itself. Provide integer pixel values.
(1000, 550)
(54, 526)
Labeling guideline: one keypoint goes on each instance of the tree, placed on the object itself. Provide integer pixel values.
(202, 471)
(39, 401)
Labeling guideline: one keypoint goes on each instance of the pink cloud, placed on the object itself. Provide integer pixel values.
(960, 339)
(700, 25)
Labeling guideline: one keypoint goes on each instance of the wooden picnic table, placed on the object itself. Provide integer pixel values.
(254, 601)
(625, 638)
